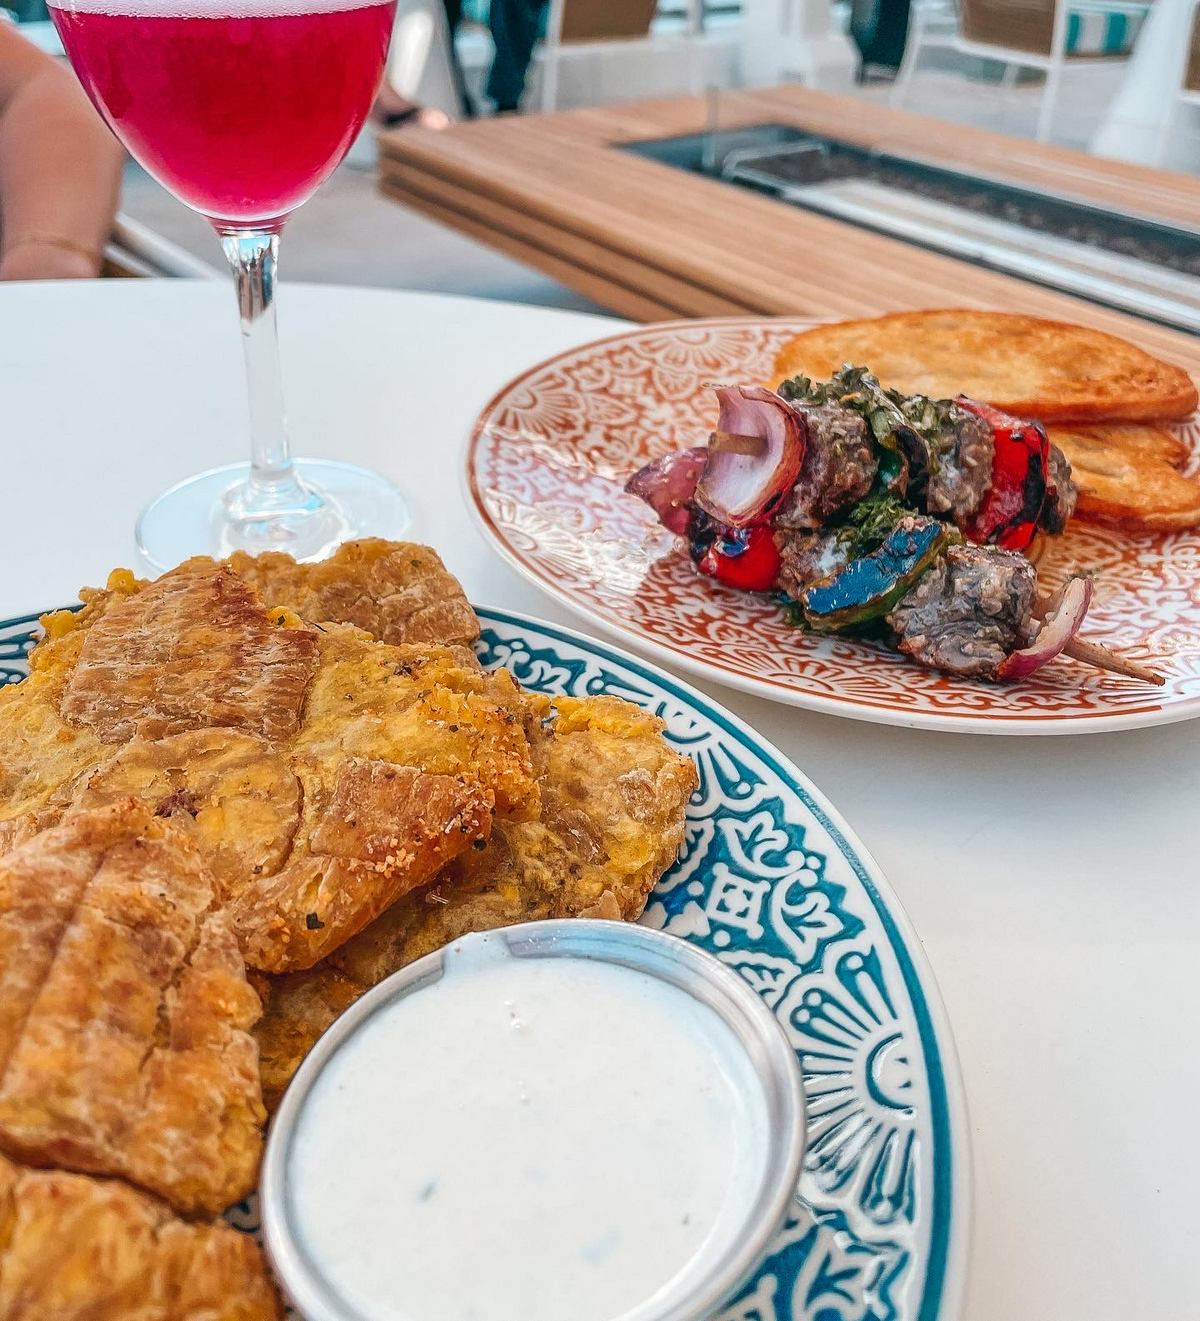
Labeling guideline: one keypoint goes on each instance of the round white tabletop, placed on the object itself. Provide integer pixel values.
(1055, 883)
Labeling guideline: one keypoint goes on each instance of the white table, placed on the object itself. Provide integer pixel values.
(1054, 882)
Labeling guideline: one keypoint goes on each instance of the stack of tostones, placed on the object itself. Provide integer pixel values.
(298, 770)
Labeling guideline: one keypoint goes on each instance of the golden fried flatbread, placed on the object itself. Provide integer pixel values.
(1047, 370)
(73, 1248)
(125, 1012)
(1126, 477)
(374, 767)
(610, 822)
(395, 590)
(1138, 440)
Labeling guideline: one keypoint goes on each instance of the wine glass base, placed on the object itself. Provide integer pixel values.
(193, 517)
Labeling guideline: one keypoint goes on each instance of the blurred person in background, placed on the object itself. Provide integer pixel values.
(60, 168)
(516, 28)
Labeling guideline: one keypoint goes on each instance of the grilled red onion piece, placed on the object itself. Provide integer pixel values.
(1060, 625)
(737, 489)
(668, 484)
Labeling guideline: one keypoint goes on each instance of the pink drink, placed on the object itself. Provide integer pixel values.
(242, 108)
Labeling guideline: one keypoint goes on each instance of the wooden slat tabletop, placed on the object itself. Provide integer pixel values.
(651, 241)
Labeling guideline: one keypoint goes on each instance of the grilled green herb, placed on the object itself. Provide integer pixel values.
(870, 523)
(887, 413)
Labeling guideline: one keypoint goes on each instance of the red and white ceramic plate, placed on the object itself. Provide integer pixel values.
(545, 470)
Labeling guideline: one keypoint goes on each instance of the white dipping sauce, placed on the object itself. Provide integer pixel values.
(526, 1139)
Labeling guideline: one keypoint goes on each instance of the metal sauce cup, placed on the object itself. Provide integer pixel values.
(710, 1280)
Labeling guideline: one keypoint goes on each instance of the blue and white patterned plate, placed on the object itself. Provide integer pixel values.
(773, 883)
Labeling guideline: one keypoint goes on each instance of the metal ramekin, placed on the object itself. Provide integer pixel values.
(711, 1282)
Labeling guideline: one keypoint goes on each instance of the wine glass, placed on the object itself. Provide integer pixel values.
(242, 109)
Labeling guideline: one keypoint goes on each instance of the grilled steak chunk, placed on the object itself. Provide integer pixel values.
(961, 467)
(838, 470)
(1061, 494)
(968, 612)
(806, 558)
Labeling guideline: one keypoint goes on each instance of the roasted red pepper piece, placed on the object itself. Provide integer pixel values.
(746, 558)
(1009, 513)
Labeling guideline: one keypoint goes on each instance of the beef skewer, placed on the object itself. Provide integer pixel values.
(853, 503)
(1090, 653)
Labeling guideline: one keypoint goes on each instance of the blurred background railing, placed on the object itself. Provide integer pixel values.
(136, 250)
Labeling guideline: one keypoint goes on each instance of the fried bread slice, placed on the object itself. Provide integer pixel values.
(125, 1012)
(74, 1248)
(1048, 370)
(1137, 439)
(1130, 479)
(610, 822)
(267, 795)
(395, 590)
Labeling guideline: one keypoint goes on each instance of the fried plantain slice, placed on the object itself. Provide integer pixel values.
(74, 1248)
(610, 822)
(395, 590)
(239, 799)
(193, 650)
(125, 1012)
(450, 741)
(382, 831)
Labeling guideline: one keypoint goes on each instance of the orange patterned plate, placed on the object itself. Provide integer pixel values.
(545, 469)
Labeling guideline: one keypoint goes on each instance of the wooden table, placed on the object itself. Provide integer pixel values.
(652, 242)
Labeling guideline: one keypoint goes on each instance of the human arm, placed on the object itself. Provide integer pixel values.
(60, 168)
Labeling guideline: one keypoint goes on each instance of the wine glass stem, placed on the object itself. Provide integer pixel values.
(273, 486)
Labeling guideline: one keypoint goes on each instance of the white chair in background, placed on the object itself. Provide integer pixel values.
(1050, 35)
(584, 27)
(795, 41)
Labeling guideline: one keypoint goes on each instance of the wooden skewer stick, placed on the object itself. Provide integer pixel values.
(733, 442)
(1092, 653)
